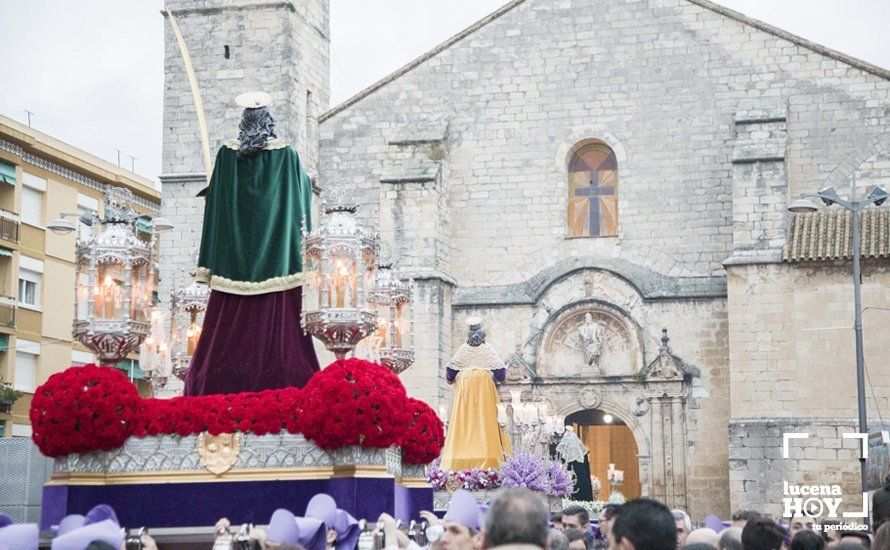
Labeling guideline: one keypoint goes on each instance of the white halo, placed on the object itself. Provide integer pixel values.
(252, 100)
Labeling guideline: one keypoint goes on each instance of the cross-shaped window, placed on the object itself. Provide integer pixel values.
(593, 192)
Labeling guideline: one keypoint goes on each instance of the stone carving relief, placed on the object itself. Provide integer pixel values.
(590, 340)
(640, 406)
(590, 398)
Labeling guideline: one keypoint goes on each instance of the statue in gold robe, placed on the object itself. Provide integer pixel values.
(474, 439)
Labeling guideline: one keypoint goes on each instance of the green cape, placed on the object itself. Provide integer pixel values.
(253, 216)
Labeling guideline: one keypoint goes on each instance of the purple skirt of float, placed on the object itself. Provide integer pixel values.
(251, 343)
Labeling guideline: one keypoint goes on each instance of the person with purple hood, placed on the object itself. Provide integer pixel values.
(286, 531)
(21, 536)
(342, 529)
(463, 522)
(100, 524)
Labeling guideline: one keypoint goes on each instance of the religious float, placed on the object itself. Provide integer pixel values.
(259, 425)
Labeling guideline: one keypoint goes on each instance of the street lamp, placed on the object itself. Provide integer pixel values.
(829, 196)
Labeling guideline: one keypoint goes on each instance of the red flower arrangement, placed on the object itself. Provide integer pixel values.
(84, 409)
(351, 402)
(422, 442)
(265, 412)
(354, 402)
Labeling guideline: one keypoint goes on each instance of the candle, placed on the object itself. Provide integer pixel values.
(340, 275)
(382, 332)
(193, 334)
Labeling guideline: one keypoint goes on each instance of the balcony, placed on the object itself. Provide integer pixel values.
(7, 312)
(9, 226)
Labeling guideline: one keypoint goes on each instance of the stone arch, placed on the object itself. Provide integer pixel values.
(639, 428)
(611, 406)
(840, 176)
(566, 288)
(583, 136)
(623, 348)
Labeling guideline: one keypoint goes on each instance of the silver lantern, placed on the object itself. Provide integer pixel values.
(188, 307)
(393, 340)
(115, 278)
(340, 272)
(155, 356)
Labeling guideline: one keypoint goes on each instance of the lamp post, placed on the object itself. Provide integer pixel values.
(829, 196)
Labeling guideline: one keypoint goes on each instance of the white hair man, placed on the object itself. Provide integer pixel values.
(684, 526)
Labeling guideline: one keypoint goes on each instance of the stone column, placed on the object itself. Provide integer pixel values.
(414, 214)
(759, 182)
(678, 418)
(668, 443)
(659, 470)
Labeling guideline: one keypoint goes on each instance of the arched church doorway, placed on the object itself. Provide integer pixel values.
(609, 441)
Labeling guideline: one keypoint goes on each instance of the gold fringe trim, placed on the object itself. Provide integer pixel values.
(248, 288)
(254, 474)
(272, 144)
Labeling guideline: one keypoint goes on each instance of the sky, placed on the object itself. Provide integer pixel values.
(91, 71)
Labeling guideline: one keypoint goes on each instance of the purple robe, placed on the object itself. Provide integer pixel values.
(251, 343)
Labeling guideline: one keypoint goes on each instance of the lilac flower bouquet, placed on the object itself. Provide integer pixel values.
(521, 470)
(525, 470)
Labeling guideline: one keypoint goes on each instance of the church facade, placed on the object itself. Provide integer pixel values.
(606, 186)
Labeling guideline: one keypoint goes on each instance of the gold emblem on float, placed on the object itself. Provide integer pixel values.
(219, 452)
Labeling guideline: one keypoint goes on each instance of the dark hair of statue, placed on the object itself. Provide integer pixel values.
(476, 337)
(257, 127)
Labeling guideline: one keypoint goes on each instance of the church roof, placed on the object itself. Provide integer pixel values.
(826, 235)
(707, 4)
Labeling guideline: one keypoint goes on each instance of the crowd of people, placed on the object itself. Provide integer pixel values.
(516, 519)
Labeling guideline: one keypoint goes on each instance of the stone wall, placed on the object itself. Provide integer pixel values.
(758, 470)
(791, 340)
(794, 365)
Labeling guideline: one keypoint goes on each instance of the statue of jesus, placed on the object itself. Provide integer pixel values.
(256, 205)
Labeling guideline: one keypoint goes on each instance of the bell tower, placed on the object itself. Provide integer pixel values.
(277, 46)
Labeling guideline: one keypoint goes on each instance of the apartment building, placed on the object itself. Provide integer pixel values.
(41, 177)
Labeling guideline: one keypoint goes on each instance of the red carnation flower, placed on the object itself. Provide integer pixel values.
(344, 405)
(83, 409)
(424, 438)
